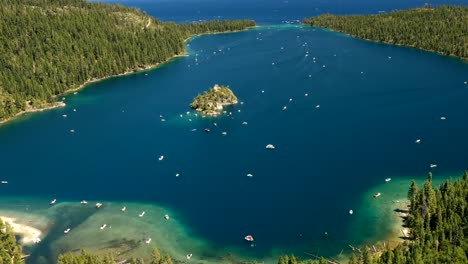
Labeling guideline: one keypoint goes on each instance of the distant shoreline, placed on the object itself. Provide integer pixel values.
(58, 104)
(465, 60)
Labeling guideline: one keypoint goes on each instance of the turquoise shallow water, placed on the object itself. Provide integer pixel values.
(375, 100)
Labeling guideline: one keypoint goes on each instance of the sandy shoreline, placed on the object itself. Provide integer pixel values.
(32, 110)
(29, 234)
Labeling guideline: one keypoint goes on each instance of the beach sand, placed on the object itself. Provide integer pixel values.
(29, 234)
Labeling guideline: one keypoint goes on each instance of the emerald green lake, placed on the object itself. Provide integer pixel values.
(354, 111)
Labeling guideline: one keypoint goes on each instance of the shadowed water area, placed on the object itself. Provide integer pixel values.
(375, 101)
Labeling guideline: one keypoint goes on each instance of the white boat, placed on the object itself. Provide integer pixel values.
(270, 146)
(84, 202)
(290, 99)
(161, 158)
(98, 205)
(53, 201)
(163, 120)
(189, 256)
(72, 130)
(263, 91)
(75, 93)
(103, 226)
(377, 195)
(142, 214)
(244, 123)
(167, 217)
(224, 133)
(36, 240)
(317, 106)
(64, 115)
(351, 212)
(124, 209)
(4, 182)
(181, 115)
(250, 175)
(306, 94)
(67, 231)
(443, 118)
(417, 141)
(148, 241)
(433, 166)
(388, 179)
(74, 110)
(285, 107)
(249, 238)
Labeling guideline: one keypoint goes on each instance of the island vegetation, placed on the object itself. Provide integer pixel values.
(442, 29)
(48, 48)
(212, 101)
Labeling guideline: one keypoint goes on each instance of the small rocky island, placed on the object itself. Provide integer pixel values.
(212, 101)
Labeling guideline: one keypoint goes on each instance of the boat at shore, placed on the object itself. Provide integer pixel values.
(388, 179)
(377, 195)
(167, 217)
(54, 201)
(98, 205)
(67, 231)
(84, 202)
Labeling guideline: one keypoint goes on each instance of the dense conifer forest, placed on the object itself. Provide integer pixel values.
(49, 47)
(438, 222)
(10, 252)
(443, 29)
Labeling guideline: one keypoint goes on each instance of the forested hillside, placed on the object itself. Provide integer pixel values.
(438, 222)
(10, 252)
(49, 47)
(443, 29)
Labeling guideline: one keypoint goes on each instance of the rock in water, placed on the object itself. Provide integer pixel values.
(212, 101)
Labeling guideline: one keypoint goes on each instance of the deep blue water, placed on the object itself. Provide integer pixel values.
(268, 11)
(375, 100)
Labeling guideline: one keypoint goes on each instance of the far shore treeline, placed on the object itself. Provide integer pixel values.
(49, 47)
(443, 29)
